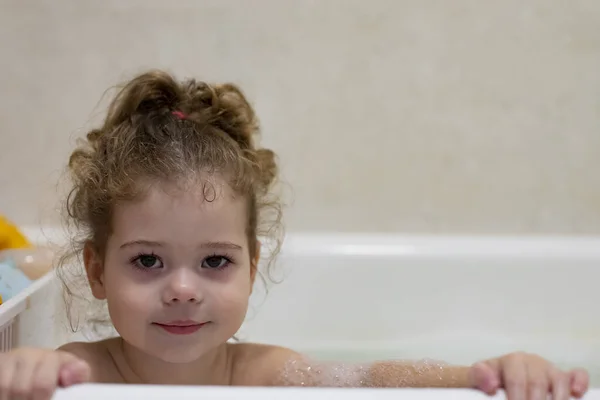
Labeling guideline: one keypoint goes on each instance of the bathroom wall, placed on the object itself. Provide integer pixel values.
(409, 116)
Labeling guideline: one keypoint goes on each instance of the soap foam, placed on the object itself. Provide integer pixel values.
(307, 372)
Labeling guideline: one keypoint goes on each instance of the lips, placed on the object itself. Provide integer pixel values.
(181, 327)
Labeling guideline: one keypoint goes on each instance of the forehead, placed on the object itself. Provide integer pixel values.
(196, 212)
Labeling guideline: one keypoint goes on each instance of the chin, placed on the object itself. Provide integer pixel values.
(181, 356)
(184, 351)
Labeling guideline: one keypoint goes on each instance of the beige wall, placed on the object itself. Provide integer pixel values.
(408, 116)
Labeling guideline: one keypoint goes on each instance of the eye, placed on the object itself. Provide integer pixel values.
(215, 262)
(147, 261)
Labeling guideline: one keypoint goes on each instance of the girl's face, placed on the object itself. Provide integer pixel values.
(177, 274)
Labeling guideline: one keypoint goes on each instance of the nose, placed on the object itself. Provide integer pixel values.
(183, 287)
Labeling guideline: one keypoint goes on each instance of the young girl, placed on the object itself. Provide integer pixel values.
(171, 195)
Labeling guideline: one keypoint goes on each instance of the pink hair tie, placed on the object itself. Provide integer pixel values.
(179, 114)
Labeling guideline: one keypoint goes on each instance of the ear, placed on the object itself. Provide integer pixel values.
(94, 269)
(254, 263)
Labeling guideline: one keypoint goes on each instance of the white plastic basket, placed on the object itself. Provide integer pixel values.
(6, 336)
(28, 319)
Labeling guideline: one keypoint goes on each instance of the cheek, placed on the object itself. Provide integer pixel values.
(125, 295)
(232, 295)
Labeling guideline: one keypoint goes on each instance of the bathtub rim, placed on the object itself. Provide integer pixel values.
(155, 392)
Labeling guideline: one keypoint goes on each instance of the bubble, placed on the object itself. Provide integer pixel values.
(307, 372)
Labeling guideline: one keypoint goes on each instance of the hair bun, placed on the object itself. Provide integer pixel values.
(225, 107)
(151, 92)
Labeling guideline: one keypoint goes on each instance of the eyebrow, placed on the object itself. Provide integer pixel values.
(205, 245)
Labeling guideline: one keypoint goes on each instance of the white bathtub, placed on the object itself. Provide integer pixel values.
(457, 299)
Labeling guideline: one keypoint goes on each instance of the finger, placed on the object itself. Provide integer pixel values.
(45, 378)
(73, 370)
(538, 382)
(514, 377)
(580, 381)
(485, 377)
(74, 373)
(20, 387)
(7, 370)
(560, 381)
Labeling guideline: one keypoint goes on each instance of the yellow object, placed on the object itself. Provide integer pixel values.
(1, 300)
(10, 237)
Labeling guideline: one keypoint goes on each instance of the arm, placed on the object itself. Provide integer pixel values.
(516, 373)
(417, 374)
(276, 366)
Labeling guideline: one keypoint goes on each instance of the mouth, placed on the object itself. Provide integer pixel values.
(181, 327)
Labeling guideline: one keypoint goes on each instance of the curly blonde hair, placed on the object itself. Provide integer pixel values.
(159, 129)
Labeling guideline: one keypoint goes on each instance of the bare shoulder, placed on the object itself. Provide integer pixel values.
(256, 364)
(98, 357)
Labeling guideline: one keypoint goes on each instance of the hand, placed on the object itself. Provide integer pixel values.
(36, 373)
(527, 377)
